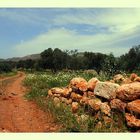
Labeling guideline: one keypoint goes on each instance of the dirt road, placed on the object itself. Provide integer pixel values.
(20, 115)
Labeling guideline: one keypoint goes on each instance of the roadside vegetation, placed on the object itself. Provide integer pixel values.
(8, 74)
(40, 83)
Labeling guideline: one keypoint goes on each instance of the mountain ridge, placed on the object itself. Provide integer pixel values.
(32, 57)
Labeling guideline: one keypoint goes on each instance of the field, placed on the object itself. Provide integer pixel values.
(83, 121)
(45, 80)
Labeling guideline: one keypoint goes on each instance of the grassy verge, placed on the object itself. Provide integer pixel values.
(3, 83)
(40, 82)
(8, 74)
(83, 121)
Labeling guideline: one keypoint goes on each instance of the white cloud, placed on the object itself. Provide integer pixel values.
(117, 20)
(122, 25)
(22, 17)
(66, 39)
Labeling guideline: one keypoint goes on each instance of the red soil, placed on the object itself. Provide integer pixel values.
(20, 115)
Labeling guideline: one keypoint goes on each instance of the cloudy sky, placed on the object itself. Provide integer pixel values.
(28, 31)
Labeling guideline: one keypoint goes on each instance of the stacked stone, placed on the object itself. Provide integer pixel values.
(121, 93)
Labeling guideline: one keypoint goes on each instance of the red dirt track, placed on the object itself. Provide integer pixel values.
(20, 115)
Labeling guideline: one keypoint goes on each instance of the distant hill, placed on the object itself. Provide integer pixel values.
(32, 57)
(1, 59)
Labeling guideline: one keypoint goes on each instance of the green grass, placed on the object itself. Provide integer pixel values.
(8, 74)
(39, 83)
(60, 79)
(69, 122)
(64, 116)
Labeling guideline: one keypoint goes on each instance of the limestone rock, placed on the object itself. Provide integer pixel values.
(92, 83)
(105, 108)
(118, 104)
(57, 90)
(84, 100)
(62, 91)
(63, 99)
(50, 93)
(111, 81)
(118, 78)
(95, 104)
(90, 94)
(129, 92)
(126, 81)
(79, 83)
(68, 101)
(132, 121)
(106, 90)
(134, 106)
(85, 94)
(75, 107)
(107, 120)
(56, 95)
(56, 101)
(133, 76)
(75, 97)
(137, 79)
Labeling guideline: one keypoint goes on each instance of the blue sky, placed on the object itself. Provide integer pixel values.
(28, 31)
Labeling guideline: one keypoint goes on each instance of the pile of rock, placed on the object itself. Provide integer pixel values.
(121, 93)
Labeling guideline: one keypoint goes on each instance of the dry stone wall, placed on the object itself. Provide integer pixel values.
(120, 93)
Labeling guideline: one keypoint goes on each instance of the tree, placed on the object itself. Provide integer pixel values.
(110, 65)
(20, 64)
(94, 60)
(59, 60)
(47, 58)
(29, 64)
(54, 59)
(131, 60)
(5, 67)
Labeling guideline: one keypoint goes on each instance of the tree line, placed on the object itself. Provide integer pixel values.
(56, 60)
